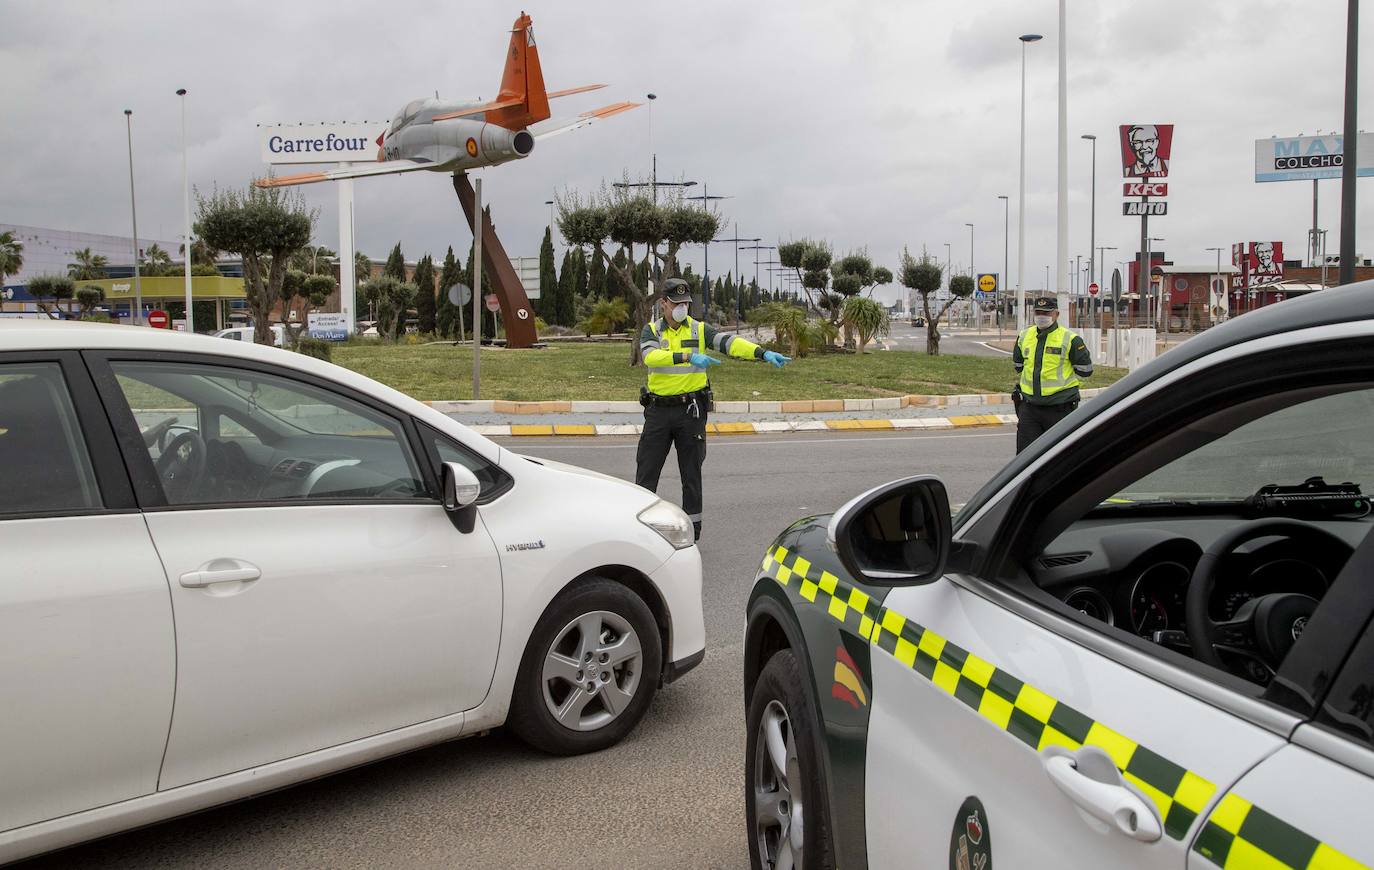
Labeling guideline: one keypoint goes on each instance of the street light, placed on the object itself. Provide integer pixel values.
(976, 312)
(186, 195)
(136, 315)
(653, 155)
(549, 203)
(738, 293)
(1092, 233)
(655, 184)
(1102, 297)
(1217, 277)
(949, 287)
(1021, 201)
(706, 248)
(1006, 243)
(756, 248)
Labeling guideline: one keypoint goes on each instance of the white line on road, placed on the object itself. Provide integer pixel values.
(717, 443)
(998, 349)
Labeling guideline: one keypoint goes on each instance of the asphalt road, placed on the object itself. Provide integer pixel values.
(669, 796)
(961, 341)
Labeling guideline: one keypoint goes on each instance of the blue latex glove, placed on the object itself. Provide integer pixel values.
(701, 360)
(775, 359)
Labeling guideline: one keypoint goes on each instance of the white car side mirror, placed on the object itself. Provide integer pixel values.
(461, 487)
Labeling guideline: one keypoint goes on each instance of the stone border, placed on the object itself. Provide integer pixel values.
(805, 406)
(761, 428)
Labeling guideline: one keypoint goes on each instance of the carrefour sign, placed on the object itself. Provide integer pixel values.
(1300, 158)
(319, 143)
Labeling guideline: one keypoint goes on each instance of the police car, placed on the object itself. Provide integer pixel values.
(1147, 642)
(228, 568)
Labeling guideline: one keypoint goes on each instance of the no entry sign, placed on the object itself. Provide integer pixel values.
(158, 319)
(1093, 289)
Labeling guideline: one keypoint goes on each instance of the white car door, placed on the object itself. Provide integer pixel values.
(1061, 741)
(321, 593)
(86, 648)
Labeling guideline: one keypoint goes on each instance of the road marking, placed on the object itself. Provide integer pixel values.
(715, 445)
(998, 349)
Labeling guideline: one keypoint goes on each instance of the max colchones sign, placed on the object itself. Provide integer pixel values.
(1300, 158)
(319, 143)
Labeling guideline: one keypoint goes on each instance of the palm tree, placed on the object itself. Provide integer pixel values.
(201, 253)
(314, 260)
(362, 267)
(11, 255)
(159, 262)
(88, 266)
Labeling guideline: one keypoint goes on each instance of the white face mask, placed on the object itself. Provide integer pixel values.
(680, 312)
(1043, 320)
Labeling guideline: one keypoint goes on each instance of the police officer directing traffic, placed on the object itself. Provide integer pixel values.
(1050, 360)
(678, 396)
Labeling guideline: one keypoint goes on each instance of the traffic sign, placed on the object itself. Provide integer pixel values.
(492, 303)
(460, 294)
(1093, 289)
(158, 319)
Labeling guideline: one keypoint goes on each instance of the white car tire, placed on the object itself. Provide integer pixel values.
(590, 670)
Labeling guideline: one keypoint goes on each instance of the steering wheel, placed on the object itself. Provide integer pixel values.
(1263, 628)
(181, 464)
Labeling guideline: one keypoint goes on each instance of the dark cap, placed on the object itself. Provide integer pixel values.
(677, 290)
(1046, 303)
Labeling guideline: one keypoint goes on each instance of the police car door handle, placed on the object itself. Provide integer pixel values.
(1113, 804)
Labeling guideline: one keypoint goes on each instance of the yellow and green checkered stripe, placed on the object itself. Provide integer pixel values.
(1019, 709)
(1240, 836)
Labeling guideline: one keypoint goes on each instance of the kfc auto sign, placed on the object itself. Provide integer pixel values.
(1146, 150)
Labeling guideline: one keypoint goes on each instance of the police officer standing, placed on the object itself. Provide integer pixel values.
(1050, 360)
(674, 348)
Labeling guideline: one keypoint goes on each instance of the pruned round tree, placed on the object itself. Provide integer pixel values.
(264, 226)
(925, 276)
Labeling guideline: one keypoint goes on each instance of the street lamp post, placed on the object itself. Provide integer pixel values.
(1216, 277)
(1092, 231)
(653, 155)
(949, 290)
(1149, 279)
(977, 314)
(186, 196)
(1021, 198)
(756, 247)
(706, 250)
(654, 184)
(136, 315)
(1102, 297)
(1062, 204)
(549, 203)
(1006, 248)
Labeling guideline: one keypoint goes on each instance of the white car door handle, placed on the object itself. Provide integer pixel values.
(1115, 805)
(220, 571)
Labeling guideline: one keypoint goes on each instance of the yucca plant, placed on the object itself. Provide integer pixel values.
(866, 318)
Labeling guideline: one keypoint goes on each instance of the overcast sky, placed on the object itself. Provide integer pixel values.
(873, 124)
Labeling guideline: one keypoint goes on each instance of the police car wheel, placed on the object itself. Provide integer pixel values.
(785, 806)
(590, 670)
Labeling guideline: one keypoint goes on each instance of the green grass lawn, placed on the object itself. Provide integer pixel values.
(600, 372)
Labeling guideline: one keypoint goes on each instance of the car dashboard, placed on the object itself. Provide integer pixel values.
(1133, 573)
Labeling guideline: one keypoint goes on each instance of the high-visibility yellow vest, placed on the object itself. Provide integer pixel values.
(674, 380)
(1056, 372)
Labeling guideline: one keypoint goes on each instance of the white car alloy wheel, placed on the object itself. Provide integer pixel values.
(592, 670)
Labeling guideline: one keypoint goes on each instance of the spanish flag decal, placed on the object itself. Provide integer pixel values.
(848, 687)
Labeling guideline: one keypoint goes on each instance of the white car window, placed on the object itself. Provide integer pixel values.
(44, 466)
(245, 436)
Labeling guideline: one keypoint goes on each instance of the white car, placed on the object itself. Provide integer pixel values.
(229, 568)
(245, 333)
(1148, 642)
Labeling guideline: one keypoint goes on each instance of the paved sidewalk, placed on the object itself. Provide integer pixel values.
(762, 427)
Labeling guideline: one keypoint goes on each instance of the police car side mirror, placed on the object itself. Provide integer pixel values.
(461, 489)
(897, 534)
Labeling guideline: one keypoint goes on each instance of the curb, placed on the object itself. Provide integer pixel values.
(806, 406)
(764, 428)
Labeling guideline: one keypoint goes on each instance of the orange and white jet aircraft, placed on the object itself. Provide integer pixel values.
(456, 136)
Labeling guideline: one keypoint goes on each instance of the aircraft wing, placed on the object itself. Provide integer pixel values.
(388, 167)
(554, 126)
(513, 101)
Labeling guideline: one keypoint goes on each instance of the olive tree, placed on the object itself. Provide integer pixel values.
(265, 227)
(625, 219)
(88, 297)
(52, 287)
(925, 277)
(391, 298)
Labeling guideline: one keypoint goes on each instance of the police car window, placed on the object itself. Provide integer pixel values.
(1327, 438)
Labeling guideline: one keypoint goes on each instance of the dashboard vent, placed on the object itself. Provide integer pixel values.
(1062, 560)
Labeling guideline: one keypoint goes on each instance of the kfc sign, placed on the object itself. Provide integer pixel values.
(1145, 188)
(1146, 150)
(1259, 263)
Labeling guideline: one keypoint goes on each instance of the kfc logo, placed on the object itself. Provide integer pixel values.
(1146, 150)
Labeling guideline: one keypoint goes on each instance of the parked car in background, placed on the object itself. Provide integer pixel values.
(245, 333)
(230, 568)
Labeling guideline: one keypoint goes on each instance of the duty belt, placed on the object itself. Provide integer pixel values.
(679, 399)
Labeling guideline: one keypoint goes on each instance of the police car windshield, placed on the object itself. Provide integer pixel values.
(1328, 437)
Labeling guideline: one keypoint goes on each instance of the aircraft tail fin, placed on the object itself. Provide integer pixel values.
(522, 81)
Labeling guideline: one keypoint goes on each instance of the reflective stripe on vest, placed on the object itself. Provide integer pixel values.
(1056, 372)
(674, 380)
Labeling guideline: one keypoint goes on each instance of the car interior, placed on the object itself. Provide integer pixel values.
(44, 468)
(223, 436)
(1220, 539)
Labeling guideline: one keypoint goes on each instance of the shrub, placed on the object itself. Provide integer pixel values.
(316, 347)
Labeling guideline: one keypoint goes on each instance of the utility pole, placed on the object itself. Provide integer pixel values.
(135, 316)
(477, 289)
(1348, 141)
